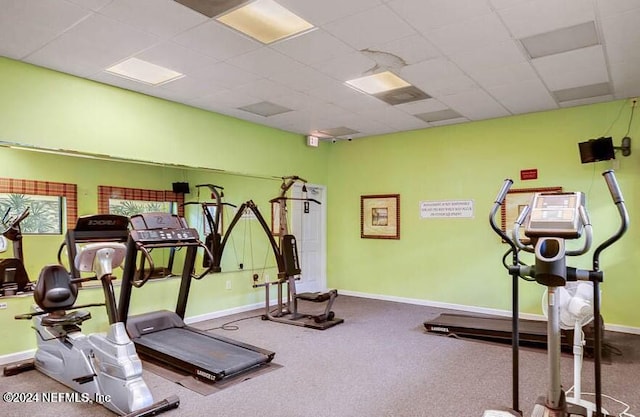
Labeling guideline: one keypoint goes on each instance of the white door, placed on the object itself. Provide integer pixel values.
(311, 235)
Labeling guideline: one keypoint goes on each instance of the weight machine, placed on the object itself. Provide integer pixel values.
(285, 251)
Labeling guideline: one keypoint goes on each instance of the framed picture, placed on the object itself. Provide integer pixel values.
(515, 201)
(380, 216)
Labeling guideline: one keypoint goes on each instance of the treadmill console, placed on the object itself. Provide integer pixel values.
(555, 215)
(161, 228)
(165, 235)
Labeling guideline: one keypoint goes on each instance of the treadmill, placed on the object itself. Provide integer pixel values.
(162, 336)
(532, 333)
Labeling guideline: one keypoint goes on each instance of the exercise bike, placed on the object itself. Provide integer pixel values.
(103, 368)
(13, 275)
(550, 220)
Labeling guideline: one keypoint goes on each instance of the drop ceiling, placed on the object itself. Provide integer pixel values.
(469, 57)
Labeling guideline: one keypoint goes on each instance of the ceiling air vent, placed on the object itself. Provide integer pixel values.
(265, 109)
(211, 8)
(402, 95)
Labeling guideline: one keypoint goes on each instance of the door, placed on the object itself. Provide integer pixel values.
(310, 231)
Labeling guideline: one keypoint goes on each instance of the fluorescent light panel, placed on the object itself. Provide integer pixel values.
(145, 72)
(561, 40)
(265, 20)
(378, 83)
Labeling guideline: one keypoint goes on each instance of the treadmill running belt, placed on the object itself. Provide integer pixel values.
(206, 352)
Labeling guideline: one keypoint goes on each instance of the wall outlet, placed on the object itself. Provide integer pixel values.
(633, 101)
(3, 306)
(228, 285)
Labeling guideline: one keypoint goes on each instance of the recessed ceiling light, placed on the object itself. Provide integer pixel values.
(145, 72)
(265, 21)
(378, 83)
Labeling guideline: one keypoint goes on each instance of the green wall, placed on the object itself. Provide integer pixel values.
(459, 260)
(47, 109)
(43, 108)
(444, 260)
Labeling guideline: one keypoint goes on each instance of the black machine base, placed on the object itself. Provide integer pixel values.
(498, 329)
(162, 337)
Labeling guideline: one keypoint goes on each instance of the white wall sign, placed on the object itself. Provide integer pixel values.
(459, 209)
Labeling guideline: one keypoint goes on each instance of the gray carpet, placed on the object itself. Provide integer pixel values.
(380, 362)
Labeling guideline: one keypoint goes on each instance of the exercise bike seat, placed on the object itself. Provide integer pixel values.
(54, 290)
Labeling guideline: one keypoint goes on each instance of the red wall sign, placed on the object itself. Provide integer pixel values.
(529, 174)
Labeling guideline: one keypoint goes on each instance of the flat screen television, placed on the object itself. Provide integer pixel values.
(595, 150)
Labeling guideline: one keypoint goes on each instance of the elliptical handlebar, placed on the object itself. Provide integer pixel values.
(497, 203)
(12, 227)
(618, 199)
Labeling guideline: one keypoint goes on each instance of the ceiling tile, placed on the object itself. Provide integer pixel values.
(178, 58)
(426, 15)
(395, 118)
(469, 34)
(90, 4)
(626, 79)
(475, 105)
(508, 74)
(523, 97)
(222, 99)
(27, 25)
(264, 62)
(189, 88)
(314, 47)
(622, 35)
(540, 16)
(573, 69)
(422, 106)
(411, 49)
(227, 74)
(347, 67)
(369, 28)
(262, 88)
(302, 78)
(92, 45)
(164, 18)
(216, 40)
(612, 7)
(437, 77)
(496, 55)
(325, 11)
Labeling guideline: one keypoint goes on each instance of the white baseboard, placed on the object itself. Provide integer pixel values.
(224, 313)
(472, 309)
(17, 356)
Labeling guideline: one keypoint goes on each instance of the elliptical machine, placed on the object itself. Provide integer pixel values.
(550, 220)
(103, 368)
(13, 275)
